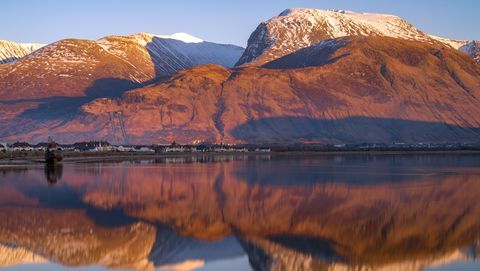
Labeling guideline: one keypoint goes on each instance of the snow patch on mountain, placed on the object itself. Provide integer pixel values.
(473, 49)
(12, 51)
(187, 38)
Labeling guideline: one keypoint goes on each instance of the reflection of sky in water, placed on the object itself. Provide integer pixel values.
(235, 264)
(389, 210)
(461, 266)
(51, 267)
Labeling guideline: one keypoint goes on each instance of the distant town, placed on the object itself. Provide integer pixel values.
(103, 146)
(106, 147)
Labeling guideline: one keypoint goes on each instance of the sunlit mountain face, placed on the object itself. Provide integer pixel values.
(306, 76)
(334, 212)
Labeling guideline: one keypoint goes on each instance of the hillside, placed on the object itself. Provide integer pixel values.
(74, 67)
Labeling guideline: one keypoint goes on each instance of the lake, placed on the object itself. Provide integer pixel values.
(244, 212)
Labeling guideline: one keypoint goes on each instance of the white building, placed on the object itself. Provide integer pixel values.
(4, 146)
(144, 149)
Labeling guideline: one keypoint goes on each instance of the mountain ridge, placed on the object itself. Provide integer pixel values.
(298, 28)
(68, 67)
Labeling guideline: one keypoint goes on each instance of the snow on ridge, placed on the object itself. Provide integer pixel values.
(12, 51)
(343, 23)
(457, 44)
(32, 46)
(297, 28)
(181, 36)
(146, 37)
(386, 24)
(331, 12)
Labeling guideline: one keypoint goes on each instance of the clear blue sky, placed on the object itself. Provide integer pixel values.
(226, 21)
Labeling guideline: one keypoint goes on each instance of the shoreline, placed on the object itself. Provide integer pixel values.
(37, 158)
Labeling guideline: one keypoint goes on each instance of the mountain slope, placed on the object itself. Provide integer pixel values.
(11, 51)
(73, 67)
(353, 89)
(298, 28)
(173, 53)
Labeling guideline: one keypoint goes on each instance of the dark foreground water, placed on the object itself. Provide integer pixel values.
(331, 212)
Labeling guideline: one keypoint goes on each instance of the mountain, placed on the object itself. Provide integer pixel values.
(11, 51)
(351, 89)
(298, 28)
(74, 67)
(307, 76)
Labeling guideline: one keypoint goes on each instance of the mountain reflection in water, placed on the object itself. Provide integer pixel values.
(331, 212)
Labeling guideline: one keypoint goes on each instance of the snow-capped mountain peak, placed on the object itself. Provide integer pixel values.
(297, 28)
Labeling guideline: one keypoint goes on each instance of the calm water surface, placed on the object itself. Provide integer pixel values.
(331, 212)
